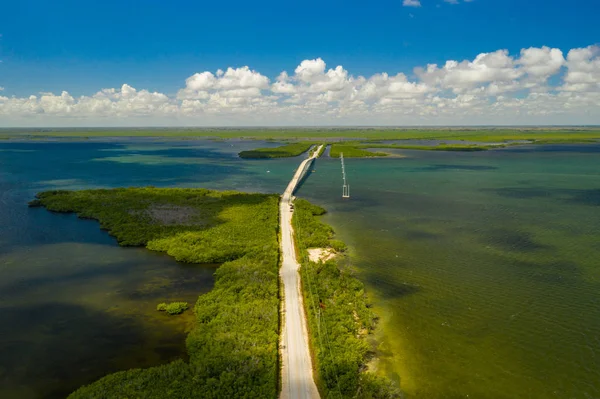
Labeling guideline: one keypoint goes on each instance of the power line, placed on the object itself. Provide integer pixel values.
(345, 187)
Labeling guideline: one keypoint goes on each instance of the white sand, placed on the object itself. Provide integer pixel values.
(320, 254)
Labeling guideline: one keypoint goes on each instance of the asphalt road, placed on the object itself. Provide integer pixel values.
(297, 374)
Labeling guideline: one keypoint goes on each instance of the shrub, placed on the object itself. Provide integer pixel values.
(173, 308)
(353, 151)
(161, 307)
(284, 151)
(233, 346)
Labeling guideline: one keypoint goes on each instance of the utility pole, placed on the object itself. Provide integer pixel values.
(345, 187)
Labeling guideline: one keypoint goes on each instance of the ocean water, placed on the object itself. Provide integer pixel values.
(74, 305)
(484, 267)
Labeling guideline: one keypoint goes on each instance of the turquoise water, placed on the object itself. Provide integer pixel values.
(484, 267)
(73, 305)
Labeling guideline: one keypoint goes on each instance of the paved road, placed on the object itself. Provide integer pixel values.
(297, 374)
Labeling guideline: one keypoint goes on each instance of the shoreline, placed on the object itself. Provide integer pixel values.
(248, 311)
(340, 319)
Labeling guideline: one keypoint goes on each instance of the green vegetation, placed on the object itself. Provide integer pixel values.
(339, 316)
(301, 139)
(233, 346)
(537, 134)
(576, 139)
(161, 307)
(284, 151)
(353, 151)
(363, 149)
(439, 147)
(356, 149)
(172, 308)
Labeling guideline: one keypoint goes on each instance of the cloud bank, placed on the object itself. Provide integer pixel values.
(536, 86)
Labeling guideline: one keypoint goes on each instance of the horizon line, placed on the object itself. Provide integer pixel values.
(289, 127)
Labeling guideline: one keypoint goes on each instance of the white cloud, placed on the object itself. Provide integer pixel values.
(283, 85)
(411, 3)
(241, 78)
(201, 81)
(541, 62)
(583, 70)
(492, 88)
(232, 83)
(309, 69)
(1, 88)
(460, 76)
(125, 102)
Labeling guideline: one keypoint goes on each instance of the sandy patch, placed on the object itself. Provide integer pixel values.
(320, 254)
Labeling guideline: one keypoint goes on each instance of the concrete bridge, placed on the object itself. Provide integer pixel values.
(299, 175)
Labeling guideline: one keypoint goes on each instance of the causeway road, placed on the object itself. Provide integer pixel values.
(297, 380)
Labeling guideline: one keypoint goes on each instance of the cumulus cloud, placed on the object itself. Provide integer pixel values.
(493, 87)
(238, 89)
(541, 62)
(583, 70)
(497, 67)
(283, 85)
(124, 102)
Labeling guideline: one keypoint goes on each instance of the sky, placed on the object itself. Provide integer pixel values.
(250, 63)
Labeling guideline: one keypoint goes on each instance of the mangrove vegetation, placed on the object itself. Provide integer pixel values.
(353, 151)
(284, 151)
(491, 134)
(172, 308)
(233, 346)
(364, 149)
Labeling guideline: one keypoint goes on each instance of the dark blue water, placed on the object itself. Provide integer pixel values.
(73, 305)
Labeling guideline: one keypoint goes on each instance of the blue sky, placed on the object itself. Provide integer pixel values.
(84, 46)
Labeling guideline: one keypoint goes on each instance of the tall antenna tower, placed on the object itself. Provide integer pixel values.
(345, 187)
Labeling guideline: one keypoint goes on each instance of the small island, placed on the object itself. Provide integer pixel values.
(172, 308)
(233, 347)
(354, 143)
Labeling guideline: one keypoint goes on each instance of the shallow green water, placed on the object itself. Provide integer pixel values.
(485, 267)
